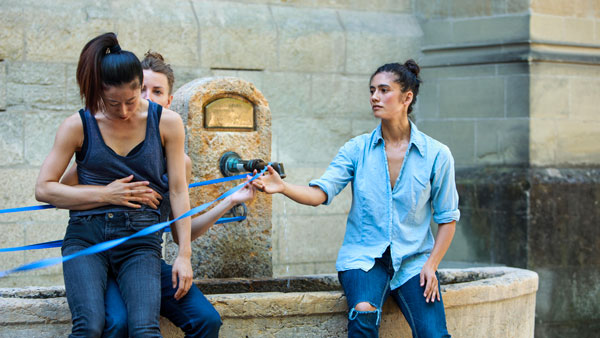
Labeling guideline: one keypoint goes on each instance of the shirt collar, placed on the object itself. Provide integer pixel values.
(416, 138)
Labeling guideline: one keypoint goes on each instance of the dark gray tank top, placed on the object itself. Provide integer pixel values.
(98, 164)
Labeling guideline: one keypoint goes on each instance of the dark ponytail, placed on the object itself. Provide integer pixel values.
(102, 63)
(407, 75)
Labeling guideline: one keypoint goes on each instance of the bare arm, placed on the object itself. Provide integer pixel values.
(272, 183)
(172, 132)
(202, 223)
(442, 243)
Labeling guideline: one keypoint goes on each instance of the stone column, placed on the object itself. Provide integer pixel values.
(513, 88)
(233, 249)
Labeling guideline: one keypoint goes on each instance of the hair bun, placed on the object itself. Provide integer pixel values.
(411, 65)
(154, 55)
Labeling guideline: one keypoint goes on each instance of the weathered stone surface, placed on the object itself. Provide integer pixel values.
(436, 32)
(171, 28)
(547, 97)
(485, 99)
(517, 102)
(546, 27)
(466, 8)
(339, 95)
(40, 131)
(12, 44)
(235, 35)
(584, 102)
(309, 40)
(236, 249)
(543, 138)
(288, 93)
(576, 142)
(502, 141)
(395, 37)
(459, 136)
(498, 28)
(326, 137)
(2, 85)
(11, 138)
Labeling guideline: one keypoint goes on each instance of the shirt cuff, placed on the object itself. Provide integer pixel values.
(446, 216)
(323, 186)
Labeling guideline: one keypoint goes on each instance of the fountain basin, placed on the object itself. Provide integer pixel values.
(479, 302)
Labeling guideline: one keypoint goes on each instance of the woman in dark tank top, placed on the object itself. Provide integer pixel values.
(117, 136)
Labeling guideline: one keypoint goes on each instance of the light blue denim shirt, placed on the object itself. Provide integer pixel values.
(381, 216)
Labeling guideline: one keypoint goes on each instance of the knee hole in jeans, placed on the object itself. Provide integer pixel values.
(365, 307)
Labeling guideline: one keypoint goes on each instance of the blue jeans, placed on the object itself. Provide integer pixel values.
(194, 314)
(135, 265)
(425, 319)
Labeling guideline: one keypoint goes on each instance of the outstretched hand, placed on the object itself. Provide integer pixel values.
(131, 194)
(270, 182)
(246, 193)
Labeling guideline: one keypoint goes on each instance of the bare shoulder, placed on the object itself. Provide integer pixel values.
(72, 129)
(170, 118)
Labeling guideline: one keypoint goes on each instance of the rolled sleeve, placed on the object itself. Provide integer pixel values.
(444, 196)
(339, 173)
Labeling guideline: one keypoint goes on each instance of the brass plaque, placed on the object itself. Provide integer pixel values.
(229, 113)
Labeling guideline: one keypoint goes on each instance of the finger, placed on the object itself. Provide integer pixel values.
(137, 184)
(126, 179)
(271, 170)
(132, 205)
(422, 279)
(174, 278)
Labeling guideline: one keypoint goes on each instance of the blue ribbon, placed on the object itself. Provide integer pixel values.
(115, 242)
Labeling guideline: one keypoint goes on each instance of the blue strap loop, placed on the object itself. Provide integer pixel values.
(94, 249)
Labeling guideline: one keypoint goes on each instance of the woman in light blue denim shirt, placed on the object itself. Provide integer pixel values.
(401, 178)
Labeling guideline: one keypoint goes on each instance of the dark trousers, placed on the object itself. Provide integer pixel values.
(135, 265)
(193, 313)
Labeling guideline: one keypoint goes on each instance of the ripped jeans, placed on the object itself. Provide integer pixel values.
(373, 287)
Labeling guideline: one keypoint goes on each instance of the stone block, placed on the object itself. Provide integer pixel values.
(517, 6)
(334, 95)
(466, 8)
(66, 20)
(577, 142)
(434, 9)
(502, 141)
(553, 7)
(36, 73)
(517, 96)
(448, 72)
(12, 44)
(497, 28)
(2, 85)
(309, 40)
(171, 28)
(311, 140)
(11, 138)
(478, 97)
(13, 235)
(40, 131)
(73, 101)
(236, 35)
(584, 99)
(364, 126)
(395, 37)
(428, 100)
(548, 99)
(579, 30)
(514, 68)
(288, 93)
(459, 136)
(252, 76)
(565, 69)
(546, 27)
(543, 136)
(184, 75)
(311, 238)
(436, 32)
